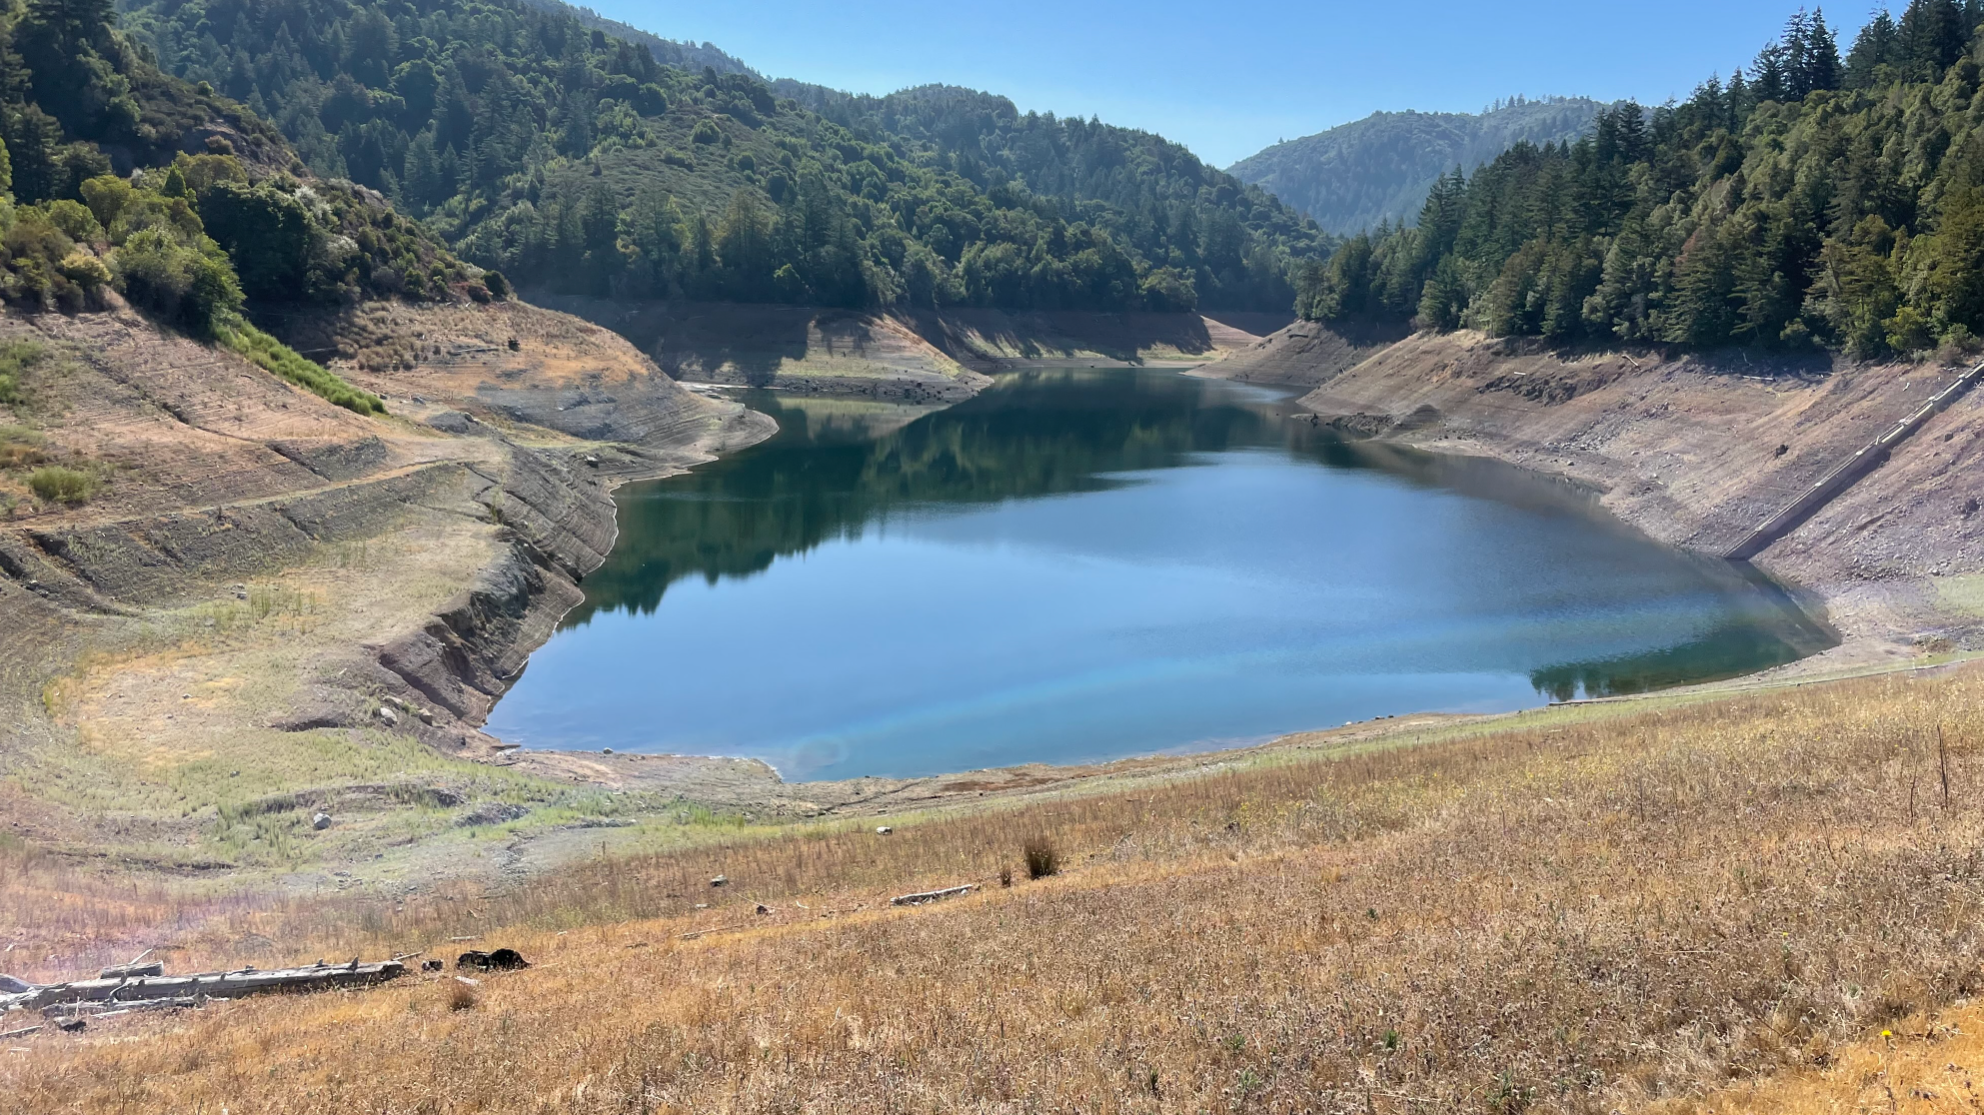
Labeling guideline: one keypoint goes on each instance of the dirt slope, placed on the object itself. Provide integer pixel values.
(1696, 452)
(1304, 354)
(272, 606)
(910, 356)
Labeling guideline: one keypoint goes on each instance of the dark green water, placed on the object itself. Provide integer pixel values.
(1082, 564)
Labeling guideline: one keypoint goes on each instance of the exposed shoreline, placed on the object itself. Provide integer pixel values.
(496, 532)
(877, 793)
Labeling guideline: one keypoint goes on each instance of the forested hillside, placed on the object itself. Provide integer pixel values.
(1379, 170)
(1810, 200)
(555, 151)
(1152, 194)
(124, 178)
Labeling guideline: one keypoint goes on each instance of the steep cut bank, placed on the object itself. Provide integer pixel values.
(1697, 451)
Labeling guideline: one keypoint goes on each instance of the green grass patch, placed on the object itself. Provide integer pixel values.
(20, 447)
(17, 358)
(59, 484)
(286, 362)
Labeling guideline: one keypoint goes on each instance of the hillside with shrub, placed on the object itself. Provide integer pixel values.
(123, 178)
(544, 147)
(1811, 200)
(1378, 170)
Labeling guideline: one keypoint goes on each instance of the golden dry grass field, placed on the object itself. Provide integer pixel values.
(1678, 906)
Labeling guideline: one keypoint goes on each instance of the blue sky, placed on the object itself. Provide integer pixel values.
(1229, 79)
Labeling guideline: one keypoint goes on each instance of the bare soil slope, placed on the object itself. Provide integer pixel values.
(271, 607)
(1697, 452)
(1305, 353)
(910, 356)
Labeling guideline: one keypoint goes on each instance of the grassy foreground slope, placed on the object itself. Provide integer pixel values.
(1591, 909)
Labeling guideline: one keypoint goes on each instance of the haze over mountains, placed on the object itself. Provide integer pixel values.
(1353, 177)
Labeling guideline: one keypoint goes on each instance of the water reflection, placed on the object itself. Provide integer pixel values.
(1079, 564)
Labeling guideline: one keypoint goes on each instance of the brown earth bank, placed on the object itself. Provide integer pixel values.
(271, 607)
(901, 355)
(1304, 353)
(1697, 451)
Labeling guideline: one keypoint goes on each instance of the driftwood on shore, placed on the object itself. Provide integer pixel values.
(932, 895)
(190, 989)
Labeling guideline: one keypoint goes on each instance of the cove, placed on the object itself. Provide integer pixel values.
(1082, 564)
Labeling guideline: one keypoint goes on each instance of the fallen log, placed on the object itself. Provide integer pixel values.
(105, 1009)
(206, 985)
(932, 895)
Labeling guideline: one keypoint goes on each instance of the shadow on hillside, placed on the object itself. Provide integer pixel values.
(992, 338)
(1259, 323)
(694, 340)
(751, 343)
(1810, 365)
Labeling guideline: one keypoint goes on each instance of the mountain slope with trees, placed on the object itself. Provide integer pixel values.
(1150, 193)
(544, 147)
(1812, 200)
(121, 177)
(1379, 170)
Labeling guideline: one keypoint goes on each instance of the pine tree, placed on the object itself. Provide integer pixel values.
(1877, 48)
(1701, 313)
(1932, 38)
(1770, 73)
(1818, 61)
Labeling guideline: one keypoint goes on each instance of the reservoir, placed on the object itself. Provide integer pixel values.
(1083, 564)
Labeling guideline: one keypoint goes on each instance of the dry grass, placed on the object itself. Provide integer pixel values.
(1928, 1064)
(1566, 915)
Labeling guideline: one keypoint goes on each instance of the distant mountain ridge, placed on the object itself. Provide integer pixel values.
(1352, 177)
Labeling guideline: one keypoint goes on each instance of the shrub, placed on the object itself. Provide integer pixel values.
(190, 286)
(275, 357)
(75, 221)
(85, 270)
(56, 484)
(1041, 857)
(499, 287)
(459, 994)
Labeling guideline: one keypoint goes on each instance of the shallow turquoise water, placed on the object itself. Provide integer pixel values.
(1082, 564)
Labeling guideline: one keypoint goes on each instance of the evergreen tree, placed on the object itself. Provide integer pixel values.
(1876, 52)
(1932, 36)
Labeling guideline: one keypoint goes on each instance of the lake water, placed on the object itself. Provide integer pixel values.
(1086, 564)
